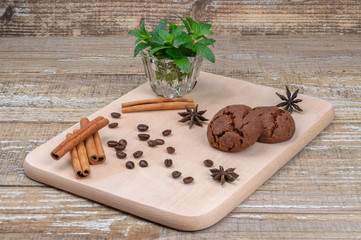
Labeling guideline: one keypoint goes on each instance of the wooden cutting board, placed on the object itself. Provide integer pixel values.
(151, 192)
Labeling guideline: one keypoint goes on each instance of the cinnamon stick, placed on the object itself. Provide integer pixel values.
(81, 170)
(99, 147)
(158, 106)
(89, 144)
(83, 159)
(78, 137)
(157, 100)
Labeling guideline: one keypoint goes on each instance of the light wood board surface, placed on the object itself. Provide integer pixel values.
(48, 84)
(151, 192)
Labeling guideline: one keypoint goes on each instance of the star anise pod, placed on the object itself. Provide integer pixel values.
(193, 115)
(223, 176)
(289, 102)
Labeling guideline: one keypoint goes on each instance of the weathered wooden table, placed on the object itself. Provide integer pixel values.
(62, 60)
(48, 84)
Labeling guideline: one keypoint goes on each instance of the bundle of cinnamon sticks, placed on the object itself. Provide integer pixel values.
(157, 104)
(84, 145)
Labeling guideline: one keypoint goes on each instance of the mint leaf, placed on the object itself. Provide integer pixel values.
(135, 33)
(172, 26)
(141, 46)
(186, 24)
(156, 39)
(154, 50)
(160, 26)
(204, 29)
(182, 39)
(183, 63)
(164, 35)
(176, 32)
(174, 53)
(194, 25)
(187, 51)
(207, 41)
(138, 40)
(205, 52)
(143, 33)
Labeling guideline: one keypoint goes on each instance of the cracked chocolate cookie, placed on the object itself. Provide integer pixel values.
(277, 124)
(234, 128)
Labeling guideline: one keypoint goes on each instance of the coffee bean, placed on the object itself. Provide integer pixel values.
(115, 115)
(159, 141)
(188, 180)
(167, 132)
(143, 136)
(143, 163)
(142, 127)
(119, 147)
(112, 143)
(152, 143)
(138, 154)
(170, 150)
(129, 165)
(168, 162)
(123, 142)
(176, 174)
(121, 155)
(208, 163)
(113, 125)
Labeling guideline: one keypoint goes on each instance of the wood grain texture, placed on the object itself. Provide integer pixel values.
(153, 194)
(237, 55)
(315, 196)
(54, 214)
(106, 17)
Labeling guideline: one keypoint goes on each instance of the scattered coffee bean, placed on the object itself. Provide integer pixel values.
(142, 127)
(119, 147)
(208, 163)
(167, 132)
(159, 141)
(138, 154)
(143, 136)
(168, 162)
(115, 115)
(123, 142)
(129, 165)
(121, 155)
(143, 163)
(170, 150)
(152, 143)
(188, 180)
(113, 125)
(176, 174)
(112, 143)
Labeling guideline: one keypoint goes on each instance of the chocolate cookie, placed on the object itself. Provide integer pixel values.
(234, 128)
(277, 124)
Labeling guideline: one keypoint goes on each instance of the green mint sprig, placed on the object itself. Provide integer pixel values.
(176, 43)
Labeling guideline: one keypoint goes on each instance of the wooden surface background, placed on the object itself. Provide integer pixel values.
(109, 17)
(48, 83)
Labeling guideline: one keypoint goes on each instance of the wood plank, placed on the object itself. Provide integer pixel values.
(43, 211)
(236, 55)
(46, 200)
(84, 18)
(68, 97)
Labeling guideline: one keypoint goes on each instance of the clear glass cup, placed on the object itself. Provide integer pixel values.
(167, 79)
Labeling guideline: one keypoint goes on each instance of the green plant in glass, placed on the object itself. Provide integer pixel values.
(179, 43)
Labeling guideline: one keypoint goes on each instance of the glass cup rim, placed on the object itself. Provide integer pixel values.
(144, 55)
